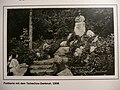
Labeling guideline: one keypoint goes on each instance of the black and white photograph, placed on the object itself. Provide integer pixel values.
(60, 42)
(59, 45)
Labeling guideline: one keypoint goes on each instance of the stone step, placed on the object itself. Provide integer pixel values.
(42, 72)
(40, 67)
(44, 62)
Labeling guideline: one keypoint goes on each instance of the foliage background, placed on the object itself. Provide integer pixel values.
(59, 20)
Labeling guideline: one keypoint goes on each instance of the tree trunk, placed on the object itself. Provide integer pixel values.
(30, 29)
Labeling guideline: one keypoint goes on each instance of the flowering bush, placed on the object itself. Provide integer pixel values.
(101, 61)
(21, 48)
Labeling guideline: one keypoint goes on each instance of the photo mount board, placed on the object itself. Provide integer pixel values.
(105, 77)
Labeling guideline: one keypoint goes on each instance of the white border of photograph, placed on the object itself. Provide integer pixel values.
(102, 77)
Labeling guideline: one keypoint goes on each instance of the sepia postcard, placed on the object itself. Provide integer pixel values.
(77, 42)
(52, 44)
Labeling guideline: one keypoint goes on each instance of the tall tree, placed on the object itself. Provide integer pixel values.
(30, 29)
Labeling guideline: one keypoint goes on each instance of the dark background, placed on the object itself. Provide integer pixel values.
(59, 21)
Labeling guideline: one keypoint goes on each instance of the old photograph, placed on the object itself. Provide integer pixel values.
(60, 42)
